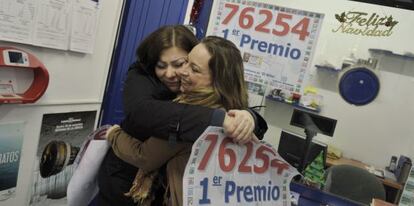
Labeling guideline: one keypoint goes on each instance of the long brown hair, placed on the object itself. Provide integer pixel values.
(149, 51)
(226, 66)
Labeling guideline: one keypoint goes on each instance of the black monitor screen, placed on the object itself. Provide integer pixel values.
(317, 123)
(291, 148)
(16, 57)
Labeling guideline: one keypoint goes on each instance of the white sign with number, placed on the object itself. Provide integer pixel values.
(220, 172)
(277, 43)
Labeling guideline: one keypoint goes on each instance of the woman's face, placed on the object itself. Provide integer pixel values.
(196, 73)
(170, 60)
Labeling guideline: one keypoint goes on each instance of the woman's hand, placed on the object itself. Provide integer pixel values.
(110, 130)
(239, 125)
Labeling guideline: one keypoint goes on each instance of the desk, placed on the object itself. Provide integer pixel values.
(392, 188)
(315, 197)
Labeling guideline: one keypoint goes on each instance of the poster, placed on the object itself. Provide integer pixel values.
(61, 136)
(220, 172)
(277, 43)
(11, 140)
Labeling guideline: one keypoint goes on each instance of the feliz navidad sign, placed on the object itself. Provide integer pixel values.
(365, 24)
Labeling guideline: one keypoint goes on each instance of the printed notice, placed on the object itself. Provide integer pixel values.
(57, 24)
(84, 24)
(16, 20)
(52, 24)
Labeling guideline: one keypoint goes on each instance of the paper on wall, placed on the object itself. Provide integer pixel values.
(16, 20)
(52, 24)
(84, 24)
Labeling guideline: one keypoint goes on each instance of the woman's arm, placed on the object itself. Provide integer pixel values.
(147, 113)
(241, 128)
(148, 155)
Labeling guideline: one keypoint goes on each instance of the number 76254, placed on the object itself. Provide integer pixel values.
(282, 24)
(265, 155)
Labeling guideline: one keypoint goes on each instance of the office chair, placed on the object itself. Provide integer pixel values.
(353, 183)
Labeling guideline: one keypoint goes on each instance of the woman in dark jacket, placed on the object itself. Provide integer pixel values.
(149, 113)
(213, 77)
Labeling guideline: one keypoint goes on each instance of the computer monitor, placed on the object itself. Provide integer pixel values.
(291, 148)
(313, 122)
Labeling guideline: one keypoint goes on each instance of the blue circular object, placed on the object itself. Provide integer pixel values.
(359, 86)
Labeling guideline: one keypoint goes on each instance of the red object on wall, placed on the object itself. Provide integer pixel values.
(16, 58)
(195, 11)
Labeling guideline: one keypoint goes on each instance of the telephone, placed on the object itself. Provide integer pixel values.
(393, 164)
(403, 169)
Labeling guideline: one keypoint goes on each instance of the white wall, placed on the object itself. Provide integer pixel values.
(77, 83)
(370, 133)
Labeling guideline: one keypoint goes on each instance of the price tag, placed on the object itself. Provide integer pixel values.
(220, 172)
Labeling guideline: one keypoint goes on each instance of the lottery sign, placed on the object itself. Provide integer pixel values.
(277, 43)
(220, 172)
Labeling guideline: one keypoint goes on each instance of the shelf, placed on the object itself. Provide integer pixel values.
(296, 105)
(392, 54)
(328, 68)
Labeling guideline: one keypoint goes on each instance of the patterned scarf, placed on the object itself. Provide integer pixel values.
(142, 186)
(203, 96)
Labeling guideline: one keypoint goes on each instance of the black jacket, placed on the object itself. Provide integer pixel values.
(145, 96)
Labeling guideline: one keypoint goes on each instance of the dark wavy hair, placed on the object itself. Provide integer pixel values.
(149, 51)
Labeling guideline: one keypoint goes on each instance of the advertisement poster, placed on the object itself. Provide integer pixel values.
(220, 172)
(61, 137)
(11, 140)
(277, 43)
